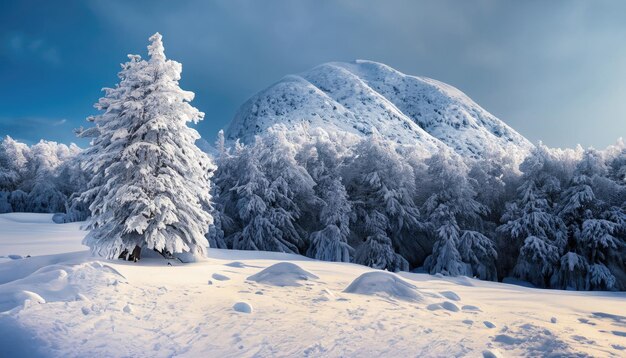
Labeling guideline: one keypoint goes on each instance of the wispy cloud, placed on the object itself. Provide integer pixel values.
(10, 125)
(49, 128)
(60, 122)
(19, 45)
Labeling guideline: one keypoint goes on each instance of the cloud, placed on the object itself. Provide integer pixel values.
(23, 126)
(20, 46)
(32, 129)
(551, 70)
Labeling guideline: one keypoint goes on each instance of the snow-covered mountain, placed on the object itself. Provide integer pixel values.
(362, 95)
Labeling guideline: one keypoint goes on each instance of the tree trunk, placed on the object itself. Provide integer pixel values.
(123, 255)
(136, 255)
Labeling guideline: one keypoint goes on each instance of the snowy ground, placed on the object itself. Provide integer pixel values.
(62, 303)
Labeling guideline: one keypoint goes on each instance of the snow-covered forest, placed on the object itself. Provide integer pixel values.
(555, 218)
(556, 221)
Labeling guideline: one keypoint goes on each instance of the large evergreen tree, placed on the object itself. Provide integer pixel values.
(531, 224)
(262, 194)
(151, 183)
(454, 215)
(323, 155)
(592, 225)
(381, 186)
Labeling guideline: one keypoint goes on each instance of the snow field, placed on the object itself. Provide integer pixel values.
(70, 305)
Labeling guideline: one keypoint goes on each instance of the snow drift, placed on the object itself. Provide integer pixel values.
(385, 284)
(282, 274)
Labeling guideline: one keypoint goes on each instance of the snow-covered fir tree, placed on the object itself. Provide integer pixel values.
(445, 257)
(530, 223)
(381, 186)
(290, 191)
(589, 235)
(494, 180)
(151, 183)
(454, 215)
(323, 156)
(215, 236)
(226, 227)
(14, 158)
(242, 195)
(262, 194)
(44, 195)
(479, 255)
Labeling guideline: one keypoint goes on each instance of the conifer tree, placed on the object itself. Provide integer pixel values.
(530, 222)
(452, 214)
(589, 235)
(323, 155)
(151, 183)
(381, 187)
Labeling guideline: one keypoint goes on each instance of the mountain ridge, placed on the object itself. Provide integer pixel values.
(362, 95)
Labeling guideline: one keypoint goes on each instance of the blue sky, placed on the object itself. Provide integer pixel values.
(555, 71)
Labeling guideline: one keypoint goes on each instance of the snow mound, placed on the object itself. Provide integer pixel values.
(55, 283)
(324, 296)
(450, 295)
(242, 307)
(446, 305)
(386, 284)
(491, 354)
(282, 274)
(236, 264)
(220, 277)
(470, 308)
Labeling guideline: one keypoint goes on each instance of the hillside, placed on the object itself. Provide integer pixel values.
(362, 95)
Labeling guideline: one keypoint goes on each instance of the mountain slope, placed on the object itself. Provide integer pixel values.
(362, 95)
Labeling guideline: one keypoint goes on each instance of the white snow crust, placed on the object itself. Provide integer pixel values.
(65, 303)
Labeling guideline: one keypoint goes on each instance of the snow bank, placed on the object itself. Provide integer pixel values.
(386, 284)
